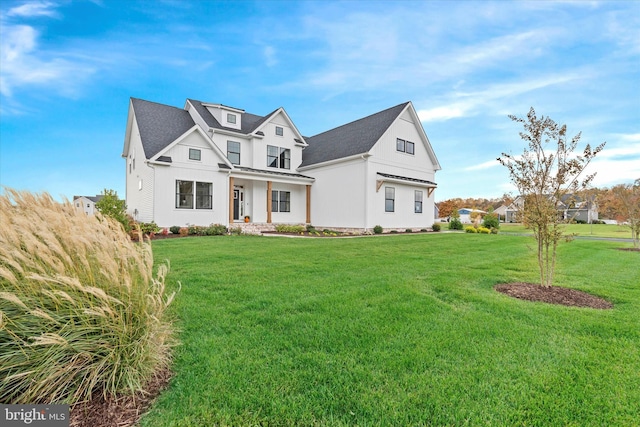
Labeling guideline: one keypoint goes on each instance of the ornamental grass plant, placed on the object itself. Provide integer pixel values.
(81, 311)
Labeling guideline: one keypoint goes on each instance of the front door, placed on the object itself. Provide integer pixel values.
(238, 203)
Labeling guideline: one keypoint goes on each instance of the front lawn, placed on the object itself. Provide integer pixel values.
(584, 230)
(400, 330)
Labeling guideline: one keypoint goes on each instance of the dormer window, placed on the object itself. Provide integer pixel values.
(405, 146)
(194, 154)
(279, 131)
(231, 118)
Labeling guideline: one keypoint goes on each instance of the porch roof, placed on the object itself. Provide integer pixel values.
(271, 173)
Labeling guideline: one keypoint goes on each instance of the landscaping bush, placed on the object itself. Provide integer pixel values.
(435, 227)
(470, 229)
(455, 224)
(490, 221)
(80, 309)
(483, 230)
(174, 229)
(494, 231)
(148, 228)
(408, 230)
(377, 229)
(311, 228)
(290, 228)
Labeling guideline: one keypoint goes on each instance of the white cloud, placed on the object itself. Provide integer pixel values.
(441, 113)
(36, 8)
(485, 165)
(270, 56)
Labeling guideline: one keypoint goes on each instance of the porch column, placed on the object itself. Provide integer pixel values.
(308, 204)
(230, 200)
(268, 202)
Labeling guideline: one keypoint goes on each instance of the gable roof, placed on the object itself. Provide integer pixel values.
(357, 137)
(249, 122)
(159, 124)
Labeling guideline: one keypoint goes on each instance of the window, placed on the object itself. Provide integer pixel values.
(405, 146)
(194, 154)
(389, 199)
(139, 184)
(231, 118)
(204, 197)
(279, 131)
(410, 147)
(184, 194)
(278, 157)
(233, 152)
(280, 201)
(418, 201)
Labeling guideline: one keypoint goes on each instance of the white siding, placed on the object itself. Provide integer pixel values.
(338, 195)
(140, 181)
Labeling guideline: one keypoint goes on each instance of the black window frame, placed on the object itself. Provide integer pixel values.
(184, 199)
(413, 147)
(191, 196)
(278, 157)
(400, 145)
(280, 201)
(229, 152)
(192, 152)
(281, 129)
(205, 200)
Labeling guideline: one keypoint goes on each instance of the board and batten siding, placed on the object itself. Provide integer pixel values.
(140, 181)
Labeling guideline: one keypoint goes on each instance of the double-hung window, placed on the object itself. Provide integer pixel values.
(280, 201)
(190, 194)
(279, 131)
(233, 152)
(389, 199)
(278, 157)
(418, 201)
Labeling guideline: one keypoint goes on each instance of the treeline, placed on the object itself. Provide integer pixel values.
(446, 207)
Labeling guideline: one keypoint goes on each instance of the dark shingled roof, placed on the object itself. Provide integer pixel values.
(249, 122)
(357, 137)
(159, 124)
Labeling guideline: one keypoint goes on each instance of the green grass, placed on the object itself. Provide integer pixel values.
(397, 330)
(594, 230)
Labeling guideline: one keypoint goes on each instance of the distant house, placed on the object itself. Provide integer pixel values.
(467, 214)
(86, 203)
(210, 163)
(569, 207)
(501, 211)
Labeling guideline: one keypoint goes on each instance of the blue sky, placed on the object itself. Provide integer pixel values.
(68, 68)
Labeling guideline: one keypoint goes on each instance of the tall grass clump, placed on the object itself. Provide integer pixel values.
(81, 311)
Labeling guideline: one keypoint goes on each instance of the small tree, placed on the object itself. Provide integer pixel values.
(545, 177)
(628, 196)
(110, 205)
(491, 220)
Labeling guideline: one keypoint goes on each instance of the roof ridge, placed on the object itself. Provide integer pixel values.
(362, 118)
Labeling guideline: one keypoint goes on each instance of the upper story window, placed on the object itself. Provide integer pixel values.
(405, 146)
(279, 131)
(278, 157)
(418, 201)
(194, 154)
(233, 152)
(231, 118)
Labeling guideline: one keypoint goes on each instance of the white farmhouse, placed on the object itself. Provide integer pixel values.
(210, 163)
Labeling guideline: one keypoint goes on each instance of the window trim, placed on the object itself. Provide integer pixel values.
(193, 200)
(280, 201)
(418, 204)
(392, 199)
(192, 156)
(281, 129)
(233, 152)
(282, 159)
(402, 146)
(231, 118)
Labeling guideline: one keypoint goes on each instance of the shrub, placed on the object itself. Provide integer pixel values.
(174, 229)
(435, 227)
(394, 232)
(491, 221)
(81, 310)
(424, 230)
(148, 228)
(236, 231)
(494, 231)
(214, 230)
(311, 228)
(377, 229)
(483, 230)
(408, 230)
(470, 229)
(290, 228)
(184, 231)
(110, 205)
(455, 224)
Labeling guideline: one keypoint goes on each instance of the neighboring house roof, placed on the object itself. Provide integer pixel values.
(353, 138)
(94, 199)
(159, 124)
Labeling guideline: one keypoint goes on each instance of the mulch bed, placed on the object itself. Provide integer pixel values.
(553, 295)
(120, 411)
(629, 249)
